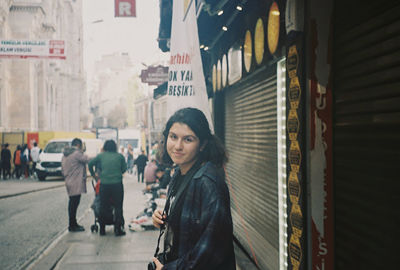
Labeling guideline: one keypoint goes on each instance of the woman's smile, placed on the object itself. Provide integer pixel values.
(178, 154)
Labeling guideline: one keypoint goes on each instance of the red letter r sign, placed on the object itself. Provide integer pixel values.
(125, 8)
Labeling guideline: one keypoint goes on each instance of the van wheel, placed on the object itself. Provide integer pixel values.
(41, 176)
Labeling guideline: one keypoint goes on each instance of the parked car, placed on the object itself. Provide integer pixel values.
(50, 159)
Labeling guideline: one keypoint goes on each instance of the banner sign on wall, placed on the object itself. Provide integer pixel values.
(186, 84)
(125, 8)
(32, 49)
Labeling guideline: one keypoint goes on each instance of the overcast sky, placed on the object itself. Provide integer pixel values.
(135, 35)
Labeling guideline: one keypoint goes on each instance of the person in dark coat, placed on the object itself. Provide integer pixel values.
(197, 218)
(6, 161)
(1, 163)
(140, 163)
(74, 171)
(25, 160)
(1, 158)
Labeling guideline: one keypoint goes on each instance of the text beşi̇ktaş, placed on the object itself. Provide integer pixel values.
(180, 83)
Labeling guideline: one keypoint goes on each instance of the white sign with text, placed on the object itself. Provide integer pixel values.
(32, 49)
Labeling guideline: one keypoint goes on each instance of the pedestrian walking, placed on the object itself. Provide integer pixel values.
(196, 220)
(130, 159)
(17, 162)
(140, 163)
(113, 166)
(35, 152)
(24, 157)
(74, 171)
(6, 161)
(1, 163)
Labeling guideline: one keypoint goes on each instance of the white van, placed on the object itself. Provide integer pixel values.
(50, 158)
(130, 136)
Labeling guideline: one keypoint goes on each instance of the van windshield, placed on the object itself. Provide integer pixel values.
(56, 147)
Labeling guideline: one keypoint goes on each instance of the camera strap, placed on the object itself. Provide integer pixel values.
(179, 193)
(162, 230)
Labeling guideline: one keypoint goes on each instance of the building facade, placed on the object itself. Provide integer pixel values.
(114, 87)
(306, 100)
(42, 93)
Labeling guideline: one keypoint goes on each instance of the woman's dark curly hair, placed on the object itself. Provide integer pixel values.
(110, 146)
(195, 119)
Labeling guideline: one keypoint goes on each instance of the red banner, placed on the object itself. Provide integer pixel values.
(32, 137)
(125, 8)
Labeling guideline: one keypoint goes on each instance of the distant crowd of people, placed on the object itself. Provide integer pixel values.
(141, 165)
(22, 163)
(24, 160)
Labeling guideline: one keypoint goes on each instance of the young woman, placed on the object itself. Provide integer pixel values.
(112, 166)
(197, 219)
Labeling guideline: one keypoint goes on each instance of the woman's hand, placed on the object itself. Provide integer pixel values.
(159, 266)
(157, 218)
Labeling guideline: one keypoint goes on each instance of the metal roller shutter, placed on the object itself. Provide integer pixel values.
(251, 141)
(366, 134)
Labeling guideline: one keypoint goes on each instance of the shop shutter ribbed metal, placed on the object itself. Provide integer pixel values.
(251, 141)
(366, 137)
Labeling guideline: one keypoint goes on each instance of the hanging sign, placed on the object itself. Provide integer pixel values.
(186, 83)
(154, 75)
(125, 8)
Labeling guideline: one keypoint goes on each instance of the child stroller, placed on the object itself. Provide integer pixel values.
(109, 214)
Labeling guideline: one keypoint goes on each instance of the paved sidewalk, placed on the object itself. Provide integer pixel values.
(87, 250)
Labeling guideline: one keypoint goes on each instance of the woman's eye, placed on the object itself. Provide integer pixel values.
(188, 139)
(172, 136)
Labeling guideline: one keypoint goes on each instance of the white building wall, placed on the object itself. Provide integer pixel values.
(4, 9)
(33, 92)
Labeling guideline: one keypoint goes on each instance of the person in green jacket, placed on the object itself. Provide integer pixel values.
(111, 167)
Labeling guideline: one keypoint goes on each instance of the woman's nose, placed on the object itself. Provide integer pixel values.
(179, 144)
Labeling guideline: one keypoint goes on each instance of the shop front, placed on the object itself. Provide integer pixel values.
(306, 99)
(246, 68)
(244, 62)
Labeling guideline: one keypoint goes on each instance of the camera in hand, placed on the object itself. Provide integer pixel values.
(161, 257)
(151, 266)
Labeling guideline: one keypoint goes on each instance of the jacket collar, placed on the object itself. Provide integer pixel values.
(207, 169)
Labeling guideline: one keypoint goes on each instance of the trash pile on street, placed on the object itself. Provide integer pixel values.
(156, 198)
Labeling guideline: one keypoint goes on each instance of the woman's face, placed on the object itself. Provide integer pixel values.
(183, 146)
